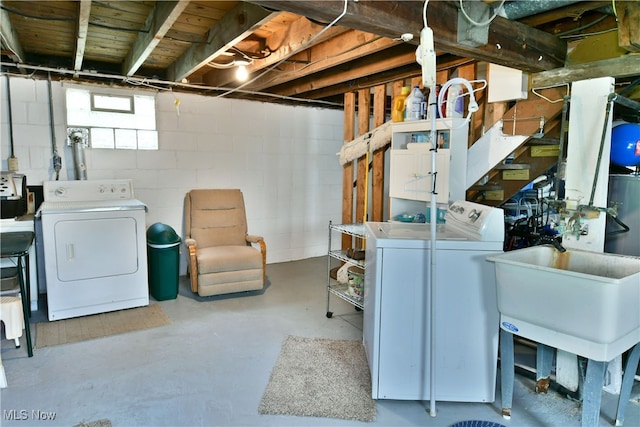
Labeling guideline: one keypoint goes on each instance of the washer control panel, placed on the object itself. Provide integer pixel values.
(483, 222)
(76, 191)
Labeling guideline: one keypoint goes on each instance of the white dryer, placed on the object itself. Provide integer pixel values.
(93, 239)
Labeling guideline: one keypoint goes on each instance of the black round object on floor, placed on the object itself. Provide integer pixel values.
(476, 423)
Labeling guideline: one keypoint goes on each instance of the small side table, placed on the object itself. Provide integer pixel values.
(16, 245)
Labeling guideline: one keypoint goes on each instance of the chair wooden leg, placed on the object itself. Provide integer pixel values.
(263, 250)
(193, 267)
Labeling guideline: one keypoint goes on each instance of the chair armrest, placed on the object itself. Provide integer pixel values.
(263, 249)
(253, 239)
(190, 242)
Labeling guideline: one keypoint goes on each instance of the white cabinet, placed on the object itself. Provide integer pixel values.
(410, 164)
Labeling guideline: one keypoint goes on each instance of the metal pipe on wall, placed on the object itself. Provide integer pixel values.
(79, 165)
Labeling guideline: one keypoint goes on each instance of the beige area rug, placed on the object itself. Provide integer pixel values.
(316, 377)
(99, 325)
(99, 423)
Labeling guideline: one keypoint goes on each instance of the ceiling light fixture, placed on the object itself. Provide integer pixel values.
(242, 74)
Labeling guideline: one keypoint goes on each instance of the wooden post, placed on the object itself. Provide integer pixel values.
(347, 170)
(364, 108)
(377, 164)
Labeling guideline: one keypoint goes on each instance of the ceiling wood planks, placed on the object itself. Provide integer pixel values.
(235, 26)
(182, 43)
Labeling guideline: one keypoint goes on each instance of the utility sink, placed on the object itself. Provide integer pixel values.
(586, 303)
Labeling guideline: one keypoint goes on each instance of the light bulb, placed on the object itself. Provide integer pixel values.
(241, 73)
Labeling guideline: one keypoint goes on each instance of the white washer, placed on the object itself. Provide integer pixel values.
(397, 306)
(95, 256)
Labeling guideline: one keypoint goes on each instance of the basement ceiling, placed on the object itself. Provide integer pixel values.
(305, 51)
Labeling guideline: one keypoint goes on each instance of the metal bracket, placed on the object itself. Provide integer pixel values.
(469, 34)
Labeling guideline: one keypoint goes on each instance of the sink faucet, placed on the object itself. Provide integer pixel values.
(556, 244)
(550, 240)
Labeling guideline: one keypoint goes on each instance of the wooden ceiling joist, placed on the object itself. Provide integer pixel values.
(282, 45)
(84, 11)
(392, 58)
(349, 46)
(159, 23)
(623, 66)
(10, 40)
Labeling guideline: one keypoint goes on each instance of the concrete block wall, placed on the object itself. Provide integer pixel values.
(283, 158)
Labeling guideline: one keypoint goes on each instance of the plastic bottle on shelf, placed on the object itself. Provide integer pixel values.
(413, 107)
(398, 106)
(455, 102)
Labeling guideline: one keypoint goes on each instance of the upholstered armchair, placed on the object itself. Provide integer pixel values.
(222, 256)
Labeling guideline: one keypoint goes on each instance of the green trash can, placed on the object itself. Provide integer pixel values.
(163, 257)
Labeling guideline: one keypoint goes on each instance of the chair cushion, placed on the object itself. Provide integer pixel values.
(218, 217)
(218, 259)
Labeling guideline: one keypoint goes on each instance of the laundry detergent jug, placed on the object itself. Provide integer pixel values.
(397, 107)
(413, 105)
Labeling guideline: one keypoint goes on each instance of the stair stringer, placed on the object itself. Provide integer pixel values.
(492, 148)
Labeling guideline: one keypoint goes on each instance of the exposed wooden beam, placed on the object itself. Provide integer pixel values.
(282, 45)
(388, 59)
(10, 40)
(159, 21)
(629, 26)
(241, 21)
(624, 66)
(409, 71)
(84, 10)
(350, 46)
(510, 43)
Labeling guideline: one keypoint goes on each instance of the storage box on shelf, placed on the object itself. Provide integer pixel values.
(410, 164)
(352, 294)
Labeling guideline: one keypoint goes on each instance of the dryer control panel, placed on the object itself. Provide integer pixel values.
(83, 191)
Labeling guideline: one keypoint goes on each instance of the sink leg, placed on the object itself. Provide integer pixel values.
(544, 359)
(627, 383)
(593, 393)
(507, 372)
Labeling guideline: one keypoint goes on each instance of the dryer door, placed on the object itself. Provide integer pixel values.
(94, 248)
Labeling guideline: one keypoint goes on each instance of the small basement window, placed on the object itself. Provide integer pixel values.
(115, 121)
(120, 104)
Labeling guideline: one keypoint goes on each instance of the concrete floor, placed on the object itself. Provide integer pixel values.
(211, 365)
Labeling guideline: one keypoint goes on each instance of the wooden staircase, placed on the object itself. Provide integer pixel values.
(533, 155)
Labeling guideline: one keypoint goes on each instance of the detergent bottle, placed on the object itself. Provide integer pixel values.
(413, 104)
(397, 108)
